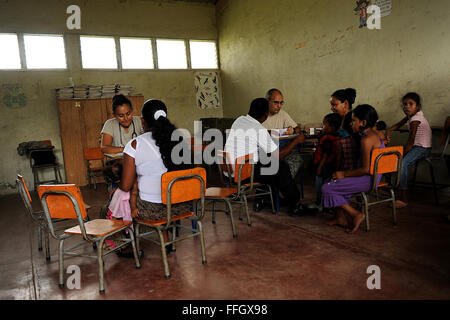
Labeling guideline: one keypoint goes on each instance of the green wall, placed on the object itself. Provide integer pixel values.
(38, 118)
(308, 49)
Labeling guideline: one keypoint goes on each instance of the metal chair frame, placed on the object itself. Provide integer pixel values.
(87, 239)
(429, 160)
(37, 216)
(366, 204)
(195, 230)
(35, 168)
(243, 191)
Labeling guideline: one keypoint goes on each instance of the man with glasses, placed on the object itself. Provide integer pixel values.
(280, 119)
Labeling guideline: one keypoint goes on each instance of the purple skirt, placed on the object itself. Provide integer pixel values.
(338, 193)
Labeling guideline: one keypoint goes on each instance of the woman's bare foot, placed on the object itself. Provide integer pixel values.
(356, 222)
(340, 220)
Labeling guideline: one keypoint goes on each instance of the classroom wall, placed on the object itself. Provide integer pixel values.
(309, 49)
(33, 113)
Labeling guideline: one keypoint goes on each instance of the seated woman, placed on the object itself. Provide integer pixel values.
(146, 158)
(338, 192)
(122, 128)
(341, 103)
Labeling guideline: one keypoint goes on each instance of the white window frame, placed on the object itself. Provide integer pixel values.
(217, 54)
(24, 56)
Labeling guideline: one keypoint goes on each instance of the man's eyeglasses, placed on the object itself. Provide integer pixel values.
(278, 102)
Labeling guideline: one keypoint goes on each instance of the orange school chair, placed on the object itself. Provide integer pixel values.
(177, 187)
(36, 215)
(236, 191)
(65, 202)
(95, 164)
(383, 161)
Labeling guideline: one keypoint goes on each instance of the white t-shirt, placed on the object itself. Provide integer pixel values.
(247, 136)
(149, 166)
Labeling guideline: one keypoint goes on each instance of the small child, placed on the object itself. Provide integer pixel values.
(419, 141)
(325, 157)
(379, 127)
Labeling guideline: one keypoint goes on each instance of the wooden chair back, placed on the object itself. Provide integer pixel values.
(59, 204)
(183, 185)
(93, 154)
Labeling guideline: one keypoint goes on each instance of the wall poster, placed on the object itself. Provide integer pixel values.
(207, 90)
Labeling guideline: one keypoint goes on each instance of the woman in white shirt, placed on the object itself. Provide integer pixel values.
(146, 158)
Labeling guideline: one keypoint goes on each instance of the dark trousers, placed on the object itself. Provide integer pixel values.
(281, 181)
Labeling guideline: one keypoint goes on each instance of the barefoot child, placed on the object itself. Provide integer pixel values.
(419, 140)
(339, 191)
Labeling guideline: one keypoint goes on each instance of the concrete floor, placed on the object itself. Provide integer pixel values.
(278, 257)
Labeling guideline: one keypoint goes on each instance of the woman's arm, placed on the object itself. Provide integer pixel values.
(286, 150)
(133, 200)
(128, 171)
(367, 144)
(396, 126)
(106, 144)
(413, 126)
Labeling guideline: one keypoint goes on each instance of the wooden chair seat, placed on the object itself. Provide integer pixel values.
(215, 192)
(100, 227)
(160, 222)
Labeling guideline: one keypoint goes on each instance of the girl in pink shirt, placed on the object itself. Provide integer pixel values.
(419, 141)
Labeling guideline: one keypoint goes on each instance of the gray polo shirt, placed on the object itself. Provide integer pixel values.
(118, 133)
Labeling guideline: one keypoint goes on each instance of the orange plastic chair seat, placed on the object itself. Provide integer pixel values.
(215, 192)
(99, 227)
(160, 222)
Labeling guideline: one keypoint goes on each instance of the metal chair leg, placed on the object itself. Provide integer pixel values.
(47, 245)
(414, 175)
(430, 164)
(394, 209)
(61, 263)
(249, 222)
(135, 251)
(163, 253)
(39, 238)
(230, 208)
(202, 241)
(101, 265)
(213, 212)
(271, 199)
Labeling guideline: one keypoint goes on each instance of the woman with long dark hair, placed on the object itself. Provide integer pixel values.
(146, 158)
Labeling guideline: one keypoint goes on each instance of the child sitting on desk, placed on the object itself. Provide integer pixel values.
(325, 156)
